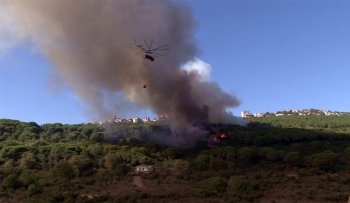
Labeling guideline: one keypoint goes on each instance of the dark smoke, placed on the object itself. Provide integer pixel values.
(88, 43)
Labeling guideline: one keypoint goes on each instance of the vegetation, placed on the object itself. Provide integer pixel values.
(339, 123)
(299, 158)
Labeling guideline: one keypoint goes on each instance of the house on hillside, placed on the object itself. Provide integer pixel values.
(144, 168)
(259, 114)
(136, 120)
(246, 114)
(118, 120)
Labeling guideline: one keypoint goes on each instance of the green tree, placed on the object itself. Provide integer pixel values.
(96, 136)
(72, 136)
(12, 152)
(28, 161)
(324, 160)
(246, 153)
(263, 151)
(217, 164)
(152, 147)
(293, 159)
(26, 179)
(9, 164)
(214, 185)
(11, 181)
(81, 164)
(96, 150)
(63, 170)
(122, 169)
(275, 155)
(239, 185)
(32, 190)
(203, 159)
(112, 161)
(56, 137)
(171, 153)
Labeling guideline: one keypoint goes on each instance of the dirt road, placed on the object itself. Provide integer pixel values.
(138, 182)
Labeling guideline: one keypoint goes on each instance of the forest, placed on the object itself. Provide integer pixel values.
(272, 159)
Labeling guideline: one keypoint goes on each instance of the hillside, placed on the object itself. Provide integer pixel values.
(293, 161)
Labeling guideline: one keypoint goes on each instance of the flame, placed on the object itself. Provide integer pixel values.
(216, 138)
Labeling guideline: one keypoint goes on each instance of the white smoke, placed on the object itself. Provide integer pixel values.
(199, 66)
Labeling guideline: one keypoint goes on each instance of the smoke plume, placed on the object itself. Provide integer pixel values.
(88, 44)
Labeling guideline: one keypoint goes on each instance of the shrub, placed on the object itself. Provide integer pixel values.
(246, 153)
(63, 170)
(121, 169)
(32, 190)
(11, 182)
(26, 179)
(214, 185)
(293, 158)
(324, 160)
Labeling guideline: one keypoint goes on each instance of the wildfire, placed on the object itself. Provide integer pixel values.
(216, 134)
(216, 138)
(219, 137)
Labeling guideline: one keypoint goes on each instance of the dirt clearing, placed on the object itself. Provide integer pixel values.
(138, 182)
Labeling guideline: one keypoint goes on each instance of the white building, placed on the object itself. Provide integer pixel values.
(327, 113)
(259, 114)
(246, 114)
(135, 120)
(146, 119)
(144, 168)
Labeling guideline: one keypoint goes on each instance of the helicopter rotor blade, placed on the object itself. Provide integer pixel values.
(146, 44)
(134, 47)
(159, 49)
(164, 46)
(150, 46)
(155, 53)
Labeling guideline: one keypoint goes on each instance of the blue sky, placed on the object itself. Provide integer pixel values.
(273, 55)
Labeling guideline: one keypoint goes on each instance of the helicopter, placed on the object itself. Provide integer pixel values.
(150, 53)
